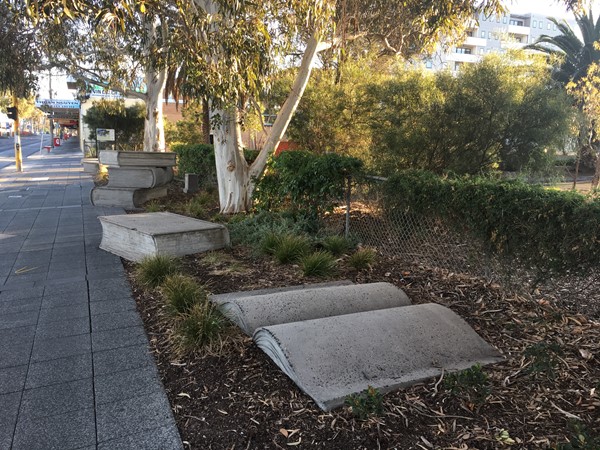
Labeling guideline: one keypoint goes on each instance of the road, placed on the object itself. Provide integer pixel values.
(29, 146)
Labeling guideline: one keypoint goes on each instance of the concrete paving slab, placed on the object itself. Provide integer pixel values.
(112, 306)
(58, 371)
(127, 384)
(159, 439)
(122, 358)
(252, 312)
(46, 349)
(396, 347)
(57, 399)
(12, 379)
(122, 337)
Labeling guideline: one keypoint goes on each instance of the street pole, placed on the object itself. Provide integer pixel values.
(51, 112)
(17, 134)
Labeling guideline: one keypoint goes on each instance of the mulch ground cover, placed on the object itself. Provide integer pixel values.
(545, 394)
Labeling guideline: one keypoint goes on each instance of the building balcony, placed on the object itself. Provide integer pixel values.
(517, 29)
(463, 57)
(512, 45)
(475, 42)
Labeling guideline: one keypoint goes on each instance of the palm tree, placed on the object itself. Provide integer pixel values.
(577, 56)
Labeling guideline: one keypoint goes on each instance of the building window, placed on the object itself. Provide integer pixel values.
(457, 66)
(504, 19)
(469, 33)
(428, 64)
(517, 22)
(481, 51)
(483, 34)
(554, 26)
(541, 24)
(497, 19)
(548, 26)
(535, 24)
(463, 50)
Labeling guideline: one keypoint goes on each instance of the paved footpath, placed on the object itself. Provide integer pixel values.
(75, 370)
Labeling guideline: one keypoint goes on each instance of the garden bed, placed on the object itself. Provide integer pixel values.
(545, 393)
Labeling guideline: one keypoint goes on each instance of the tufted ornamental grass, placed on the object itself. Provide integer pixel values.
(200, 329)
(181, 293)
(362, 259)
(153, 270)
(291, 248)
(318, 264)
(336, 245)
(270, 242)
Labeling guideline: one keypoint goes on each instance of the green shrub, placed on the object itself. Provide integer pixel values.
(552, 231)
(471, 383)
(336, 245)
(582, 438)
(319, 264)
(198, 159)
(152, 271)
(200, 204)
(291, 248)
(252, 228)
(180, 293)
(305, 183)
(362, 259)
(270, 242)
(367, 403)
(199, 329)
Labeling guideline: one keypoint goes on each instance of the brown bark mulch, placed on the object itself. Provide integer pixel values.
(547, 388)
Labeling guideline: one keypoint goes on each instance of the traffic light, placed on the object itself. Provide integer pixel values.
(12, 113)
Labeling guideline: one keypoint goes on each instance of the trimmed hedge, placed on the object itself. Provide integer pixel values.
(198, 159)
(548, 230)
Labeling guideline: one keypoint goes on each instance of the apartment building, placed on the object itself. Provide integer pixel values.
(494, 33)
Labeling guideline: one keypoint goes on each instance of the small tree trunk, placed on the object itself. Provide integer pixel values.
(154, 129)
(596, 177)
(232, 168)
(205, 121)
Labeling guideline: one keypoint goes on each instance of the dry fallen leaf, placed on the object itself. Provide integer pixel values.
(586, 354)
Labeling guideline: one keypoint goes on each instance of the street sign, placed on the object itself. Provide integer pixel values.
(105, 134)
(56, 103)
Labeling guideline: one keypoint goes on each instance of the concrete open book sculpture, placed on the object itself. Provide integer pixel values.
(336, 340)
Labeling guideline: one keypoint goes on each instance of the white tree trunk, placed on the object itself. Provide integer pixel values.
(154, 129)
(284, 116)
(232, 169)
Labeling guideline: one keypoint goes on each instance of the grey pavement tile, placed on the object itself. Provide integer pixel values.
(59, 313)
(123, 358)
(127, 384)
(63, 328)
(57, 399)
(112, 306)
(15, 294)
(16, 320)
(126, 417)
(108, 289)
(12, 379)
(115, 320)
(62, 281)
(121, 337)
(75, 429)
(67, 298)
(20, 305)
(15, 346)
(27, 279)
(104, 275)
(9, 410)
(58, 371)
(46, 349)
(61, 288)
(67, 274)
(63, 238)
(162, 438)
(15, 283)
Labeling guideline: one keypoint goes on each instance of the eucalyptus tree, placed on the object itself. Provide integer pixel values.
(20, 60)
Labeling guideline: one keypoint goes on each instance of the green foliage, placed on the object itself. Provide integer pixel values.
(367, 403)
(319, 264)
(362, 259)
(127, 121)
(199, 329)
(581, 438)
(200, 204)
(198, 159)
(504, 112)
(544, 358)
(545, 229)
(270, 242)
(304, 183)
(336, 245)
(152, 271)
(471, 383)
(291, 248)
(181, 292)
(252, 228)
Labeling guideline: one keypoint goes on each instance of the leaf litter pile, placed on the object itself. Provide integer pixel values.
(546, 394)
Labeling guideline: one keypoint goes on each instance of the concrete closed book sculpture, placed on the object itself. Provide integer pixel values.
(336, 340)
(145, 177)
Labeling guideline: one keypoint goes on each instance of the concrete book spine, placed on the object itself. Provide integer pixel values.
(139, 177)
(147, 159)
